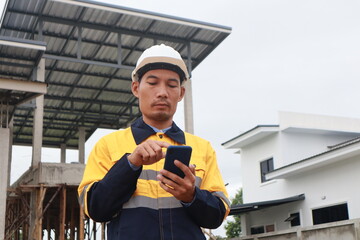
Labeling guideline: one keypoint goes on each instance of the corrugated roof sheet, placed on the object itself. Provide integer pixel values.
(89, 77)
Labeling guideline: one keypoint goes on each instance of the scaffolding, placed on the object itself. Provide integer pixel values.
(58, 214)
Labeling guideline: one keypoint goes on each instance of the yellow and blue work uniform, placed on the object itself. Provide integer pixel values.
(132, 201)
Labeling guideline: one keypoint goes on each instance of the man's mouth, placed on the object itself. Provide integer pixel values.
(160, 104)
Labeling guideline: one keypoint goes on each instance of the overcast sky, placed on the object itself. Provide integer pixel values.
(282, 55)
(299, 56)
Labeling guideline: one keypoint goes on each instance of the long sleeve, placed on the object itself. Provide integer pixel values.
(106, 197)
(108, 180)
(207, 210)
(210, 205)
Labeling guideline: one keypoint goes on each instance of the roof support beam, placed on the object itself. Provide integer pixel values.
(79, 42)
(119, 47)
(120, 91)
(23, 86)
(20, 43)
(89, 62)
(15, 64)
(88, 114)
(104, 75)
(87, 100)
(41, 26)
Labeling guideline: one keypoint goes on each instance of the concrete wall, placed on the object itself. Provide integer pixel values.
(335, 233)
(344, 230)
(251, 156)
(53, 174)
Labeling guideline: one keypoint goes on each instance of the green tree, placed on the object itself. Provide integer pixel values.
(220, 238)
(233, 228)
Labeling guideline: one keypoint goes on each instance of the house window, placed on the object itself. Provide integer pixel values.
(294, 219)
(270, 228)
(265, 167)
(257, 230)
(330, 214)
(262, 229)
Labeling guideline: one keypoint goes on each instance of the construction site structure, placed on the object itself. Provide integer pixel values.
(57, 215)
(65, 71)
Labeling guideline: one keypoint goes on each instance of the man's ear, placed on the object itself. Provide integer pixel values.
(135, 88)
(182, 93)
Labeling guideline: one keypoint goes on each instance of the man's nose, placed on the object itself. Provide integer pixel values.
(162, 91)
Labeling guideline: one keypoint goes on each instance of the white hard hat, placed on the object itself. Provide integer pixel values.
(160, 57)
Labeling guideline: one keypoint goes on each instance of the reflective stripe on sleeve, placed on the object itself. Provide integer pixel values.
(82, 197)
(222, 196)
(152, 203)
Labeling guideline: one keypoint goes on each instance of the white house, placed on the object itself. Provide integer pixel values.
(300, 173)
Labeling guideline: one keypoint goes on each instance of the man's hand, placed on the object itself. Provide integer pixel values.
(182, 189)
(148, 152)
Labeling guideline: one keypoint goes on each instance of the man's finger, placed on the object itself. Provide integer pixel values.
(186, 169)
(163, 144)
(192, 168)
(169, 176)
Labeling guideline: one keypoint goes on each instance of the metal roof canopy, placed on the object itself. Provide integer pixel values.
(91, 50)
(248, 207)
(21, 58)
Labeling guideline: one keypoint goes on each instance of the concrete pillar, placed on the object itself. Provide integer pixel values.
(357, 229)
(188, 108)
(63, 153)
(81, 145)
(39, 75)
(4, 161)
(188, 101)
(245, 228)
(11, 127)
(299, 234)
(38, 118)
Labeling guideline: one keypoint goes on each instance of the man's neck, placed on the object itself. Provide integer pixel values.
(158, 124)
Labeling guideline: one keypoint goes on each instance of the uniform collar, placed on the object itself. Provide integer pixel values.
(142, 131)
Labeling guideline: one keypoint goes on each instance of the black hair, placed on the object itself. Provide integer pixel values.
(161, 65)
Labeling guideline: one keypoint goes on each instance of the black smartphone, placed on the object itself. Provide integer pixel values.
(181, 153)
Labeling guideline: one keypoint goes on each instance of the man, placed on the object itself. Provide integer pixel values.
(124, 182)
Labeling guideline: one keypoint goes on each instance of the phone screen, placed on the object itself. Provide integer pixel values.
(181, 153)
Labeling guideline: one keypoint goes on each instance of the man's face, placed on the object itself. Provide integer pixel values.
(159, 91)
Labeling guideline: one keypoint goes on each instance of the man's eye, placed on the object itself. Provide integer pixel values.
(152, 83)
